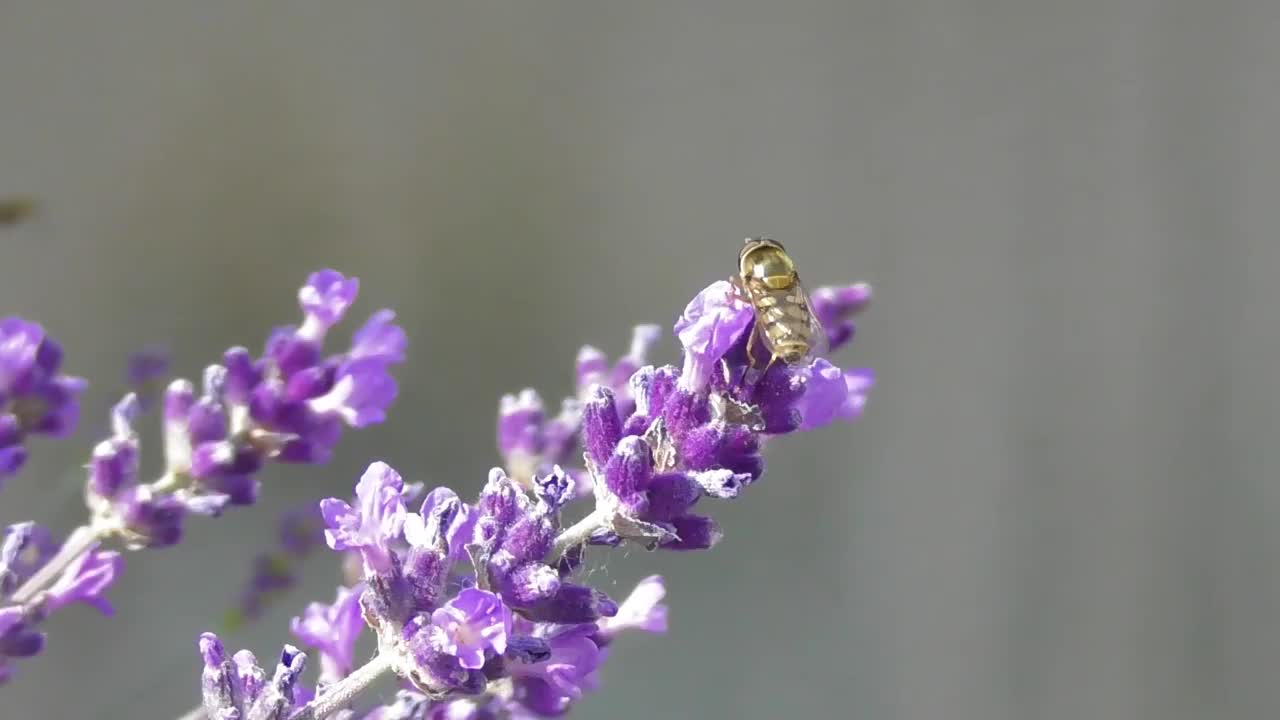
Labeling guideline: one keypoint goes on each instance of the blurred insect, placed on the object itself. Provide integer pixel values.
(785, 322)
(14, 210)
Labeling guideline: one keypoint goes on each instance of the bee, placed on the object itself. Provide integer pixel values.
(785, 322)
(14, 210)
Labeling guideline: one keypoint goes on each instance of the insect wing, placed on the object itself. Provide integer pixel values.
(818, 343)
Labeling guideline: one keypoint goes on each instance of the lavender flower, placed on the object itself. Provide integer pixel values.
(835, 308)
(642, 610)
(35, 398)
(86, 580)
(375, 523)
(301, 531)
(146, 372)
(548, 687)
(473, 623)
(332, 630)
(237, 688)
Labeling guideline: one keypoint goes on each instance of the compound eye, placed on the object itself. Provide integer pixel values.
(773, 268)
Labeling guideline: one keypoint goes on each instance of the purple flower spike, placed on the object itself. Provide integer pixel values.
(333, 630)
(325, 299)
(376, 521)
(361, 393)
(835, 307)
(642, 610)
(710, 325)
(474, 622)
(85, 580)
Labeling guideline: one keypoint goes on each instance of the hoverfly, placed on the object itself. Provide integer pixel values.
(14, 210)
(785, 322)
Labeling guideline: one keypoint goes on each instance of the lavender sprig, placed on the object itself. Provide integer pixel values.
(289, 405)
(474, 605)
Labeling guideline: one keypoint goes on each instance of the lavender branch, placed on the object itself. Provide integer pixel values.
(577, 534)
(341, 694)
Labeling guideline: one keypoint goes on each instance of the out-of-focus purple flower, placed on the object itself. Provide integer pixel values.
(237, 688)
(592, 366)
(531, 443)
(642, 610)
(835, 308)
(325, 299)
(145, 372)
(474, 623)
(302, 528)
(380, 339)
(86, 580)
(374, 523)
(147, 366)
(18, 639)
(272, 574)
(360, 395)
(35, 398)
(332, 630)
(858, 384)
(709, 326)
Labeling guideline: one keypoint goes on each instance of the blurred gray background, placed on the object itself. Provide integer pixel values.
(1062, 502)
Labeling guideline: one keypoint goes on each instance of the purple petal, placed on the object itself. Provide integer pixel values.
(380, 338)
(19, 343)
(858, 384)
(474, 621)
(325, 299)
(361, 393)
(824, 394)
(332, 629)
(642, 610)
(86, 579)
(710, 325)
